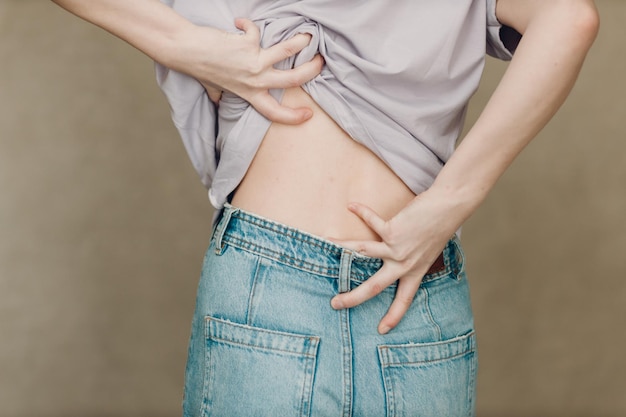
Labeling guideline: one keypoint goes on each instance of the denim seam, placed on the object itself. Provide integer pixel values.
(307, 386)
(302, 237)
(471, 381)
(389, 398)
(276, 256)
(252, 291)
(466, 338)
(317, 269)
(347, 362)
(293, 234)
(305, 266)
(206, 374)
(343, 285)
(220, 230)
(266, 349)
(256, 330)
(430, 314)
(447, 358)
(459, 259)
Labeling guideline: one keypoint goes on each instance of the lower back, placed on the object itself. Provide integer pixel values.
(305, 176)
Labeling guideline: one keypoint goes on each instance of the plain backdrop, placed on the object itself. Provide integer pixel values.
(103, 226)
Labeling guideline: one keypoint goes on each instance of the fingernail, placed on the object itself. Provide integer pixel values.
(384, 329)
(336, 304)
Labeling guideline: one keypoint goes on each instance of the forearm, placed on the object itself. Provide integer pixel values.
(556, 37)
(148, 25)
(219, 60)
(546, 64)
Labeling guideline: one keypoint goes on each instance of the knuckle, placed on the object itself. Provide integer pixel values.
(399, 255)
(406, 265)
(388, 234)
(375, 288)
(391, 234)
(404, 254)
(290, 78)
(404, 301)
(255, 68)
(255, 83)
(293, 81)
(367, 216)
(289, 50)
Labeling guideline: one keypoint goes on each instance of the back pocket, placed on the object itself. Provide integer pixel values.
(430, 379)
(257, 372)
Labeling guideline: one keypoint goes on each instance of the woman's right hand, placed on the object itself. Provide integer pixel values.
(236, 63)
(220, 60)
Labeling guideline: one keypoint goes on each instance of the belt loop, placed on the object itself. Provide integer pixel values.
(345, 266)
(458, 256)
(221, 227)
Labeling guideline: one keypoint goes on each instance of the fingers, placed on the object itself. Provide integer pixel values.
(279, 52)
(262, 76)
(249, 28)
(371, 248)
(408, 284)
(271, 109)
(285, 49)
(214, 94)
(370, 288)
(405, 293)
(276, 112)
(370, 217)
(297, 76)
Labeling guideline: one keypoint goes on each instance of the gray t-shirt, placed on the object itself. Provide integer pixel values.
(398, 77)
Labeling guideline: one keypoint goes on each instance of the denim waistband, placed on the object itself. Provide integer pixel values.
(302, 250)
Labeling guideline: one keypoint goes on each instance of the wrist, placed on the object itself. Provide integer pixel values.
(178, 47)
(456, 202)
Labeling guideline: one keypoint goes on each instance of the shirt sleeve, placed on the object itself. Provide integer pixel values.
(497, 33)
(194, 116)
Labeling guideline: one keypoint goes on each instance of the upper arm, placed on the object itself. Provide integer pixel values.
(519, 14)
(516, 13)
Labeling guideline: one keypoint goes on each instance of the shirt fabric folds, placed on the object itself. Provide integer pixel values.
(397, 78)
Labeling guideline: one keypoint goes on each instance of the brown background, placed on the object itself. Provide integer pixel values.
(103, 225)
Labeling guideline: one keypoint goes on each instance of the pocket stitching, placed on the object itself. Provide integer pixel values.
(314, 340)
(466, 338)
(447, 358)
(230, 342)
(467, 347)
(308, 351)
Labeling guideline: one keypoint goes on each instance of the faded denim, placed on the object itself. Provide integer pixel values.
(266, 343)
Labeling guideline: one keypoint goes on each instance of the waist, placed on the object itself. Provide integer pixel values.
(302, 250)
(305, 176)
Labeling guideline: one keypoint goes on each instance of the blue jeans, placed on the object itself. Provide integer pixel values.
(266, 342)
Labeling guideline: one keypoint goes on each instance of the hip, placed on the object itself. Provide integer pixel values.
(265, 340)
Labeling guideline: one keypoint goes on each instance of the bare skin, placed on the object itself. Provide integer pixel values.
(406, 232)
(306, 175)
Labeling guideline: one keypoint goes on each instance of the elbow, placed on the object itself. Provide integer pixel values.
(584, 20)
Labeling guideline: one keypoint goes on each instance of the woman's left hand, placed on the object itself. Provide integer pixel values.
(411, 241)
(556, 38)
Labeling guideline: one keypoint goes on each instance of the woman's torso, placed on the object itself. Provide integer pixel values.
(396, 79)
(305, 176)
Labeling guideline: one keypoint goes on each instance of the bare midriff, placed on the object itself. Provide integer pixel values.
(305, 176)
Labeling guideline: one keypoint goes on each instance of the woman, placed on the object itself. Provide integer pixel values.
(342, 204)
